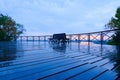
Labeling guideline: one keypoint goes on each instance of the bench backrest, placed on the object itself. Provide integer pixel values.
(59, 36)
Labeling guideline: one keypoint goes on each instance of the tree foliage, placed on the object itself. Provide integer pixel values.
(9, 29)
(114, 23)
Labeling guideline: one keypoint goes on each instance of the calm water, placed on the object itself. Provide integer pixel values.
(20, 50)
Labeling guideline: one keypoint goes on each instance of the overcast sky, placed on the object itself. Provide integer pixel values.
(57, 16)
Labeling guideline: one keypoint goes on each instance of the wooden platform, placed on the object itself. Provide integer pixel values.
(56, 66)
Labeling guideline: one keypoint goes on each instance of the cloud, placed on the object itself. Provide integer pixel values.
(53, 16)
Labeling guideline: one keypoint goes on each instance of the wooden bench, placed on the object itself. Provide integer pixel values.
(59, 38)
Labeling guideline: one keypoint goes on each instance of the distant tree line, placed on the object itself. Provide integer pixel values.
(9, 29)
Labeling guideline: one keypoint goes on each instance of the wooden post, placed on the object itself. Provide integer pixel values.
(27, 38)
(88, 42)
(79, 41)
(44, 38)
(101, 42)
(79, 37)
(33, 38)
(21, 38)
(70, 38)
(39, 38)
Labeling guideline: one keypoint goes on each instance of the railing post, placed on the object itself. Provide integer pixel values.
(27, 38)
(33, 38)
(44, 38)
(70, 38)
(39, 38)
(21, 38)
(101, 42)
(79, 37)
(79, 41)
(88, 42)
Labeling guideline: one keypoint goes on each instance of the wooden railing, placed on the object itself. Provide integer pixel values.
(101, 38)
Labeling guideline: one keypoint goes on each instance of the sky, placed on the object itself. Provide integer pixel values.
(43, 17)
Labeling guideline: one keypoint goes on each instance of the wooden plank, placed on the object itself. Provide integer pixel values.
(32, 63)
(32, 60)
(87, 58)
(40, 74)
(94, 60)
(117, 68)
(36, 68)
(65, 75)
(74, 53)
(109, 65)
(37, 54)
(108, 75)
(101, 62)
(29, 61)
(25, 58)
(118, 77)
(89, 75)
(80, 57)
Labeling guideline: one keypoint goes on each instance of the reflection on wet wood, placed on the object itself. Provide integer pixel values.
(72, 66)
(37, 60)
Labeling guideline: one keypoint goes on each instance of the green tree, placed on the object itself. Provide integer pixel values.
(114, 23)
(9, 29)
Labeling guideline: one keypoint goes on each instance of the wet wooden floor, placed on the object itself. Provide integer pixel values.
(55, 66)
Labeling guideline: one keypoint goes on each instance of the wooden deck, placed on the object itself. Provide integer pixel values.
(55, 66)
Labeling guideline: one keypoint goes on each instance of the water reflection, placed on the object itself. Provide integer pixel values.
(8, 51)
(118, 59)
(59, 47)
(118, 51)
